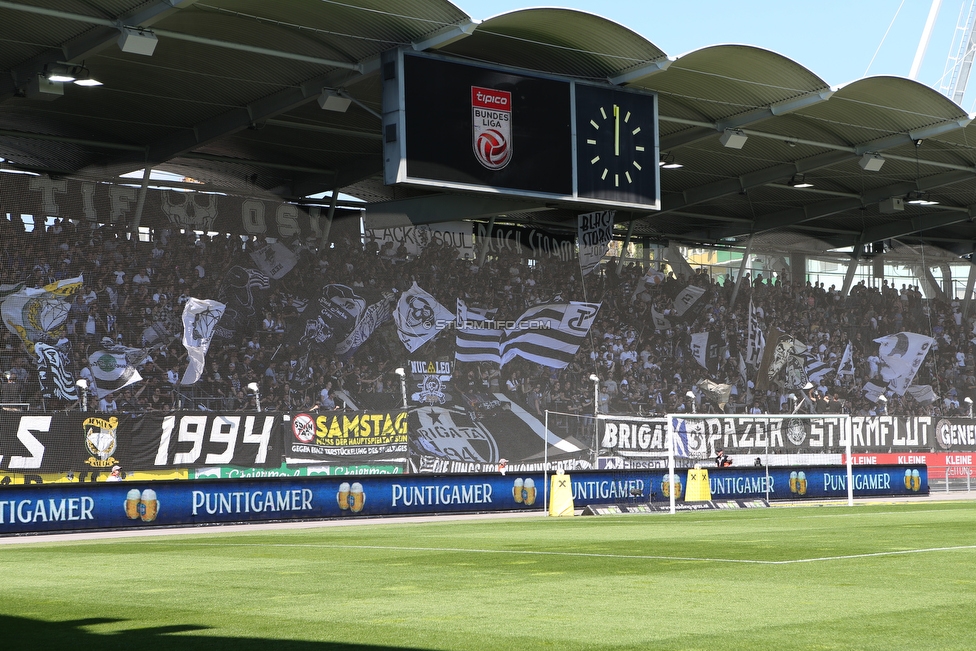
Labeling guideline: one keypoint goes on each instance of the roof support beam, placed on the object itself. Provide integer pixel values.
(917, 224)
(641, 71)
(795, 216)
(438, 208)
(774, 109)
(84, 45)
(746, 182)
(706, 130)
(258, 111)
(446, 35)
(781, 172)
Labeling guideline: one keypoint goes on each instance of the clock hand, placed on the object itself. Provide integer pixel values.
(616, 130)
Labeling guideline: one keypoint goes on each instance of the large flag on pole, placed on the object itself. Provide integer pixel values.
(685, 300)
(112, 370)
(549, 334)
(756, 341)
(419, 317)
(39, 314)
(846, 366)
(477, 339)
(705, 350)
(901, 356)
(594, 234)
(200, 317)
(53, 373)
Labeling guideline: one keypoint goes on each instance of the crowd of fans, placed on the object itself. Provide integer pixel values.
(134, 292)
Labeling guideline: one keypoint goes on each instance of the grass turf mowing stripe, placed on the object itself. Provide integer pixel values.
(647, 557)
(530, 584)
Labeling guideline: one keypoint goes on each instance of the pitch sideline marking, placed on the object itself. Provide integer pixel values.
(531, 552)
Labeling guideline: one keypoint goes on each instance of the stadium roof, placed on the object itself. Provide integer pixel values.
(228, 98)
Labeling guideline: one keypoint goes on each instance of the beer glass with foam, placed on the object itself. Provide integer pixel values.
(132, 504)
(801, 483)
(357, 497)
(793, 482)
(148, 505)
(528, 493)
(343, 495)
(517, 491)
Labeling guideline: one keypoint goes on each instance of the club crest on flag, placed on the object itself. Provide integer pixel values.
(491, 126)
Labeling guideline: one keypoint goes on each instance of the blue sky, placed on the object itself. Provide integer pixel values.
(836, 39)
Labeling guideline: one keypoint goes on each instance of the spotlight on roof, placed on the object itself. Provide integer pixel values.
(667, 162)
(871, 162)
(733, 139)
(331, 100)
(799, 181)
(919, 198)
(137, 41)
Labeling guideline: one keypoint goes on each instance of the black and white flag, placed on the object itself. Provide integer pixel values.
(112, 370)
(549, 334)
(685, 300)
(200, 317)
(846, 362)
(274, 259)
(705, 350)
(53, 373)
(756, 343)
(419, 317)
(901, 356)
(659, 320)
(594, 234)
(477, 338)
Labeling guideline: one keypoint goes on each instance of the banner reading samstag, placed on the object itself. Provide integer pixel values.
(346, 436)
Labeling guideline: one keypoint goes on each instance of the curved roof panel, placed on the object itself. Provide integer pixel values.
(229, 98)
(559, 41)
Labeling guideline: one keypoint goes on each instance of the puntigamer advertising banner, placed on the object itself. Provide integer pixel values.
(59, 507)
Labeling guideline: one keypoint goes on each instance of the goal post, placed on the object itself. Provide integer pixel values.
(785, 439)
(672, 443)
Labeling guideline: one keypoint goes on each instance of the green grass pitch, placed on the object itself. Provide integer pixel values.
(881, 576)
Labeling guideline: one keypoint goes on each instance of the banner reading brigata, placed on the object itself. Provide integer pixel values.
(362, 435)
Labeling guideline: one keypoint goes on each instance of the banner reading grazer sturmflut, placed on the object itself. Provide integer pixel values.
(782, 434)
(346, 436)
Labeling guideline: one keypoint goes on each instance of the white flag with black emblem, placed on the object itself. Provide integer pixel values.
(200, 317)
(419, 317)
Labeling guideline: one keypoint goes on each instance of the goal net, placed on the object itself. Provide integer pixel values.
(668, 446)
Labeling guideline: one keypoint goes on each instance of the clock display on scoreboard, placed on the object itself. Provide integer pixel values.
(456, 125)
